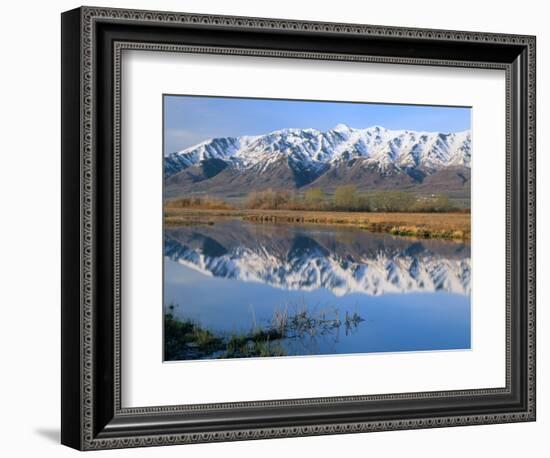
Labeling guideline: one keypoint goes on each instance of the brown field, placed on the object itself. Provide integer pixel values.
(422, 225)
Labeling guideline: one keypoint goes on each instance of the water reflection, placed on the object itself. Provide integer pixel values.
(235, 289)
(306, 258)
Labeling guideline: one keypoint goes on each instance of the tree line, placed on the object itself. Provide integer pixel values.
(348, 198)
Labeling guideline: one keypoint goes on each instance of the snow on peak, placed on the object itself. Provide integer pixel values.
(313, 148)
(341, 128)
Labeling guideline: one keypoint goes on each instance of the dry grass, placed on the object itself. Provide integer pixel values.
(194, 203)
(424, 225)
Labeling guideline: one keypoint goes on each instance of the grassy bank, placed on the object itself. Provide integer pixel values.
(187, 339)
(423, 225)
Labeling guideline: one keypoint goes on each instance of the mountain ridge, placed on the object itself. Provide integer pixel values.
(297, 158)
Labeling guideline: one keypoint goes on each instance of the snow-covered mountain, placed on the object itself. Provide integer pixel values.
(404, 148)
(299, 261)
(307, 154)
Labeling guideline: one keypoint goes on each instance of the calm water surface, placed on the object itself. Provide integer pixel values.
(348, 290)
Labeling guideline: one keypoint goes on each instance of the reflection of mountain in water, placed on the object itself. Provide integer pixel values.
(311, 257)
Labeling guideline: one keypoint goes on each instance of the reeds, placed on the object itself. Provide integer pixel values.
(187, 339)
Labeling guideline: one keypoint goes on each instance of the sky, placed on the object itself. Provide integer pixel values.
(189, 120)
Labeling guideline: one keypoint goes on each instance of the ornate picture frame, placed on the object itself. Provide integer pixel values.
(93, 416)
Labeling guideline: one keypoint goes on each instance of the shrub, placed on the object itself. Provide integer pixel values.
(315, 198)
(438, 203)
(346, 198)
(268, 200)
(392, 201)
(205, 202)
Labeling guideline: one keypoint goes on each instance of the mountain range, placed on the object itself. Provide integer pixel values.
(294, 258)
(372, 158)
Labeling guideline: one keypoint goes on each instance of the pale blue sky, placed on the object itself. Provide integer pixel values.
(190, 119)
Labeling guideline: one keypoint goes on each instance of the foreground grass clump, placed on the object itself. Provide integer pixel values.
(258, 343)
(185, 339)
(187, 334)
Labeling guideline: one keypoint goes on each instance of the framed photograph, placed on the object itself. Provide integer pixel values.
(277, 228)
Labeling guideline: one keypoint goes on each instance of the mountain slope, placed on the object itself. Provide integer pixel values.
(370, 158)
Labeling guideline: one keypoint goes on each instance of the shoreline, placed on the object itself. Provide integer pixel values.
(447, 226)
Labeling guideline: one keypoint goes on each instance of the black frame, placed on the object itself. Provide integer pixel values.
(92, 42)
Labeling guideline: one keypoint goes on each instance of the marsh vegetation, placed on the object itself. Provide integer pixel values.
(188, 339)
(452, 226)
(394, 212)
